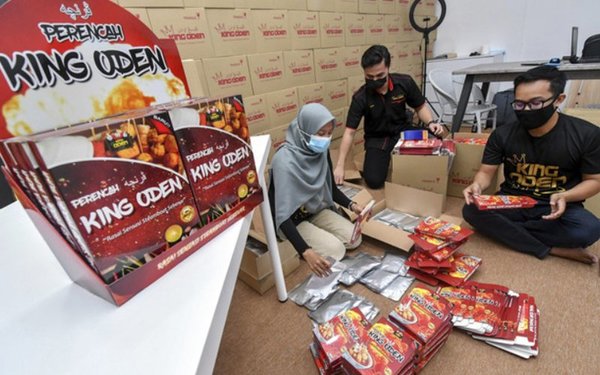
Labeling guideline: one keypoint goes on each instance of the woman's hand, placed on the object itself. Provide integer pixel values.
(357, 208)
(318, 265)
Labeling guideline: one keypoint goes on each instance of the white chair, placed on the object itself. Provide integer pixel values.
(443, 86)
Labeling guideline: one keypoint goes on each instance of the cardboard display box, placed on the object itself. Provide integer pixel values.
(368, 6)
(354, 83)
(256, 269)
(466, 164)
(328, 64)
(403, 199)
(355, 29)
(387, 6)
(141, 14)
(314, 93)
(364, 195)
(291, 4)
(194, 75)
(152, 3)
(346, 6)
(375, 27)
(299, 67)
(227, 76)
(336, 94)
(187, 27)
(267, 72)
(277, 134)
(210, 3)
(393, 28)
(340, 122)
(232, 31)
(283, 105)
(321, 5)
(332, 29)
(351, 57)
(424, 172)
(257, 114)
(272, 28)
(304, 29)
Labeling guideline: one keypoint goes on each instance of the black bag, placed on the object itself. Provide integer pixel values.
(591, 49)
(505, 113)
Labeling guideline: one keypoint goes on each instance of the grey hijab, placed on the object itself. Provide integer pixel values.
(301, 176)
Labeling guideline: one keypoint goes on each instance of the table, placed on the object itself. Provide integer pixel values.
(49, 325)
(507, 71)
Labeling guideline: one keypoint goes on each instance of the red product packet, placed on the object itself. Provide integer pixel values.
(472, 141)
(465, 266)
(424, 260)
(443, 230)
(421, 276)
(497, 202)
(429, 243)
(490, 303)
(342, 336)
(360, 219)
(391, 348)
(423, 313)
(446, 252)
(463, 299)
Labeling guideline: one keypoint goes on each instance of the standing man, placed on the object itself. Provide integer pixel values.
(548, 156)
(382, 101)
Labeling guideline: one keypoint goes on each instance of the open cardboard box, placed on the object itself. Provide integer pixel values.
(424, 172)
(403, 199)
(256, 270)
(466, 164)
(363, 197)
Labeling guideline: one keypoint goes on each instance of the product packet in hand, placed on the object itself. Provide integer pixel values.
(443, 230)
(497, 202)
(360, 219)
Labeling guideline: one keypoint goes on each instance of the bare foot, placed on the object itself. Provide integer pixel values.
(577, 254)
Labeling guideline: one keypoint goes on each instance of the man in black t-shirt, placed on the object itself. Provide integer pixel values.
(382, 102)
(551, 157)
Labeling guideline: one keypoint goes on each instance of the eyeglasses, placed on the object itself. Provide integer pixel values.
(534, 104)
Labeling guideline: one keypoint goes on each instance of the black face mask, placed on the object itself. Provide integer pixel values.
(536, 118)
(375, 84)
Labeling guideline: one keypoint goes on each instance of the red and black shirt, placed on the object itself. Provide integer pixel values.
(385, 115)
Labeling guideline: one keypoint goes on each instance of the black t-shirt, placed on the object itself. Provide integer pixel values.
(541, 166)
(385, 115)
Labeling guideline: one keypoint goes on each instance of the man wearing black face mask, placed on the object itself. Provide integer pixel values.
(382, 101)
(551, 157)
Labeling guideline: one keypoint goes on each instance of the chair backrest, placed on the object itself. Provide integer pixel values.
(441, 81)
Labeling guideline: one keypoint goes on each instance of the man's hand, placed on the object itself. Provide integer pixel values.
(470, 191)
(338, 174)
(558, 203)
(319, 265)
(436, 128)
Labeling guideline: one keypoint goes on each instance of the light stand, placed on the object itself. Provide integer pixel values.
(426, 30)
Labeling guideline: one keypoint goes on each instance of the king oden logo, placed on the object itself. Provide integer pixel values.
(398, 99)
(542, 179)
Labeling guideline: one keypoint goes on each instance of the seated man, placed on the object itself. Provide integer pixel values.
(382, 101)
(549, 156)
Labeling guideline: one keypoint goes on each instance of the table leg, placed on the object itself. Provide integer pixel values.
(265, 210)
(462, 103)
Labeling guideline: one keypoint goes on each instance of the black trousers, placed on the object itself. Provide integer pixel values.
(377, 160)
(524, 230)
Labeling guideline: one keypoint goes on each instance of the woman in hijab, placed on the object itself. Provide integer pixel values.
(302, 191)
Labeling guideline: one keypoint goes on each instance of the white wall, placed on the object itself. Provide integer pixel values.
(524, 29)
